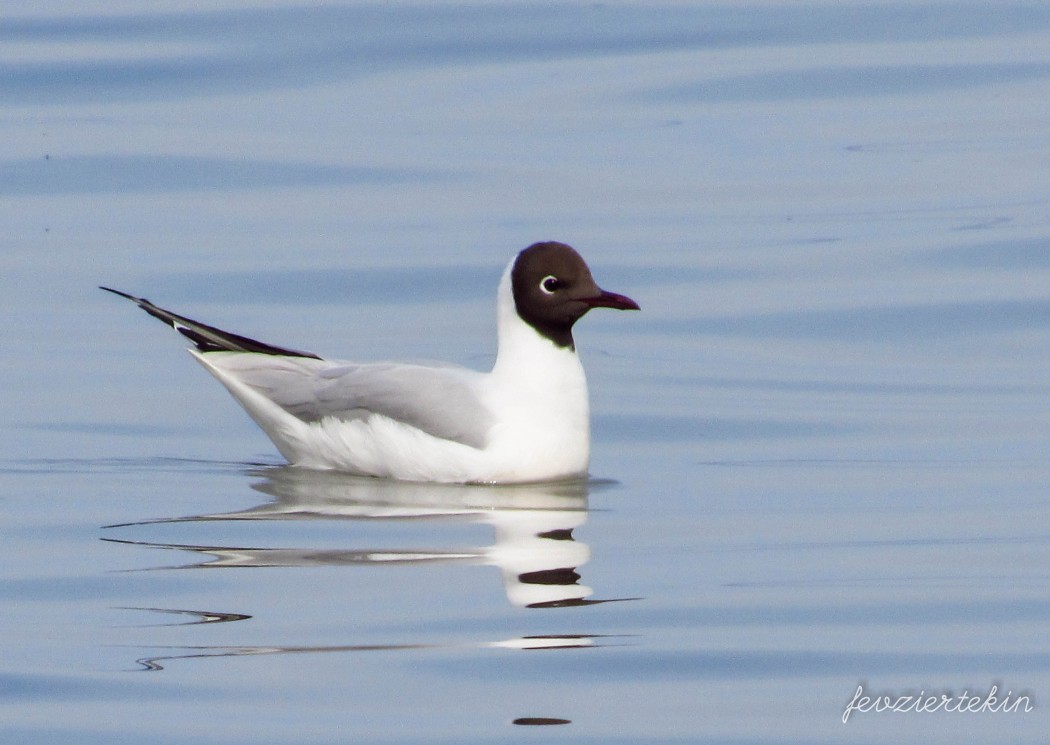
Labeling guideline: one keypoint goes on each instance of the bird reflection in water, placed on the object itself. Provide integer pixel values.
(535, 548)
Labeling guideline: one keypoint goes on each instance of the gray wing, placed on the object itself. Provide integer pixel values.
(440, 401)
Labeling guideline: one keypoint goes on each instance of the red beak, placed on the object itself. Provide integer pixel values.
(611, 300)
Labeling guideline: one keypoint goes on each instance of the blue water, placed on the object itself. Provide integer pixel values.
(820, 451)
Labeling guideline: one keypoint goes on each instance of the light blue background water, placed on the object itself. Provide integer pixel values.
(820, 451)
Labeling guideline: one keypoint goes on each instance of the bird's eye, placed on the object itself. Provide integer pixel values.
(549, 284)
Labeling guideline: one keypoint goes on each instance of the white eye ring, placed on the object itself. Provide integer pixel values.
(549, 284)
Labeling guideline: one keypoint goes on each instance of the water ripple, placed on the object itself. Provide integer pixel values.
(242, 50)
(120, 174)
(898, 323)
(842, 82)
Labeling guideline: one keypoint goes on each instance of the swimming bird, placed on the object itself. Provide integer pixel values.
(527, 420)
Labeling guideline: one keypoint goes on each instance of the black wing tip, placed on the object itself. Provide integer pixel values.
(140, 301)
(118, 292)
(208, 338)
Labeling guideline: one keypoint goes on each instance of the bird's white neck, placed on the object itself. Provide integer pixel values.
(523, 353)
(540, 390)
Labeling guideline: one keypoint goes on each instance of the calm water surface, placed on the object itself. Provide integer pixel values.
(820, 452)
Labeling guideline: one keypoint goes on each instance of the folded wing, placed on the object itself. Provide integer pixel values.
(441, 401)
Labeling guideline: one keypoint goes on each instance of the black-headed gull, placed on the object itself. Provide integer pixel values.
(526, 420)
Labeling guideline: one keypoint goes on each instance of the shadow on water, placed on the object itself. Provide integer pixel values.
(537, 555)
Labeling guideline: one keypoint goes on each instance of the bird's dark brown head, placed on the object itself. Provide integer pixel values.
(553, 288)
